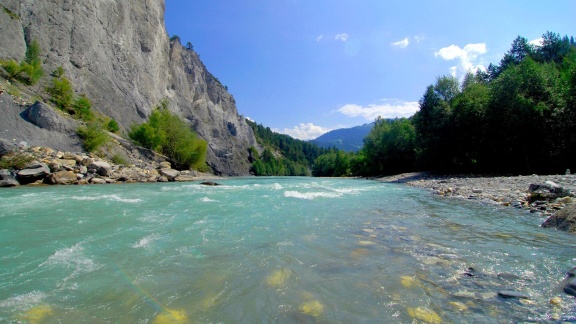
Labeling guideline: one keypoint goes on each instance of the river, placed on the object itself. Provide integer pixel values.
(285, 250)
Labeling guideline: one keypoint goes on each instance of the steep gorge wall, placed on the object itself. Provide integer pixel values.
(118, 53)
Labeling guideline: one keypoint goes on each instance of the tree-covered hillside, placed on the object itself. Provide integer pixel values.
(516, 117)
(282, 155)
(346, 139)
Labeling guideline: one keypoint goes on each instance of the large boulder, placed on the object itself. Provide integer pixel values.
(547, 191)
(7, 179)
(564, 219)
(171, 174)
(45, 117)
(61, 177)
(101, 168)
(6, 147)
(33, 172)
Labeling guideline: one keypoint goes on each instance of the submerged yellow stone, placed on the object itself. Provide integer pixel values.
(171, 316)
(278, 278)
(409, 282)
(424, 314)
(37, 314)
(458, 305)
(313, 307)
(556, 300)
(365, 243)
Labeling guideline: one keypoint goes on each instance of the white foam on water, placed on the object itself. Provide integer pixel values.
(107, 197)
(24, 301)
(206, 199)
(157, 218)
(72, 257)
(145, 241)
(311, 195)
(277, 186)
(28, 195)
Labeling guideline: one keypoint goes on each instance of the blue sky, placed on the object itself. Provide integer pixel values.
(304, 67)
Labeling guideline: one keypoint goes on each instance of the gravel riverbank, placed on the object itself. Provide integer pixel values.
(511, 191)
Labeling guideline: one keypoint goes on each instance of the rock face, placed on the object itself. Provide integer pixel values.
(119, 54)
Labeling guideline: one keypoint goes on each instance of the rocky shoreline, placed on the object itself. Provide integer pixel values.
(45, 166)
(539, 194)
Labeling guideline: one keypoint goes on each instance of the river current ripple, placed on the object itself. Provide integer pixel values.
(274, 250)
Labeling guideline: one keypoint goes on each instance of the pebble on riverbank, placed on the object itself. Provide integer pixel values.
(539, 194)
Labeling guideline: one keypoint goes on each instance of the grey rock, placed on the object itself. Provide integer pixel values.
(209, 183)
(101, 168)
(564, 219)
(7, 179)
(61, 178)
(571, 283)
(44, 116)
(17, 129)
(171, 174)
(571, 273)
(162, 179)
(97, 181)
(33, 172)
(165, 165)
(184, 178)
(512, 294)
(547, 191)
(6, 147)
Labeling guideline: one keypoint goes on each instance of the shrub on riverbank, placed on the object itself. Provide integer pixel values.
(93, 136)
(166, 133)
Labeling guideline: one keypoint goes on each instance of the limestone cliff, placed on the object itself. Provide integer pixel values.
(118, 53)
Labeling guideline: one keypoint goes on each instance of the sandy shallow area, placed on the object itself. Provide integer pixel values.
(502, 190)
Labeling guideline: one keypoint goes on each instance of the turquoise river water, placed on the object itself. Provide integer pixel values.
(273, 250)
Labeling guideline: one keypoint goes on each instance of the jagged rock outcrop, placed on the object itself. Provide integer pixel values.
(118, 53)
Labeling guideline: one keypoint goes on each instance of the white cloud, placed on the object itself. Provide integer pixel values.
(467, 57)
(402, 44)
(387, 109)
(536, 42)
(250, 119)
(303, 131)
(319, 38)
(343, 37)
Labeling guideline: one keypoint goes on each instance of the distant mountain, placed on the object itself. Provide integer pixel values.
(346, 139)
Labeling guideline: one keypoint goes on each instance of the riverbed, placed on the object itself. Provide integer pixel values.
(274, 250)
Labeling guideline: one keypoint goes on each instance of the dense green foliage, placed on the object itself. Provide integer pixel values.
(388, 148)
(29, 70)
(61, 93)
(112, 126)
(294, 157)
(335, 163)
(168, 134)
(15, 160)
(518, 117)
(93, 136)
(82, 107)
